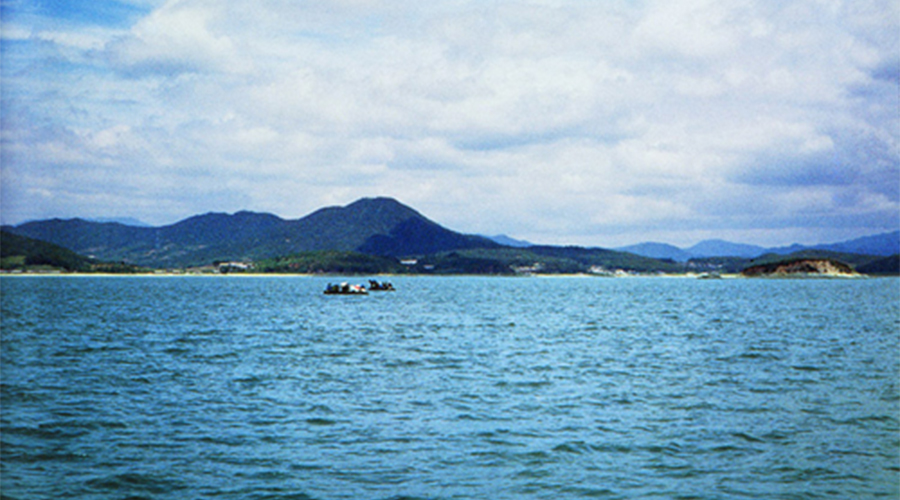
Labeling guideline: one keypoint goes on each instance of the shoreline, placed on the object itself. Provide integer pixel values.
(360, 276)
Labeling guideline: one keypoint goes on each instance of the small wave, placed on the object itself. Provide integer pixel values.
(307, 467)
(680, 471)
(10, 393)
(773, 389)
(804, 475)
(807, 368)
(852, 453)
(533, 457)
(888, 421)
(130, 481)
(671, 449)
(777, 436)
(319, 421)
(222, 440)
(702, 405)
(586, 492)
(726, 448)
(573, 447)
(747, 437)
(473, 417)
(48, 431)
(411, 363)
(283, 496)
(320, 409)
(612, 448)
(535, 473)
(38, 456)
(269, 475)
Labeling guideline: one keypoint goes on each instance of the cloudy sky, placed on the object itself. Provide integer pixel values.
(557, 121)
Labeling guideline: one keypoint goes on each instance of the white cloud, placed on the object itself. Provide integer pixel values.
(556, 121)
(178, 37)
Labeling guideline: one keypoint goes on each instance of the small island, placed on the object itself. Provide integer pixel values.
(803, 267)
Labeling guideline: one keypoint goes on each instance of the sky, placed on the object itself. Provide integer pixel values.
(555, 121)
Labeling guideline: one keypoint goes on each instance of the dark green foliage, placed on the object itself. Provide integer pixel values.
(608, 259)
(380, 226)
(330, 262)
(371, 226)
(538, 260)
(738, 264)
(462, 263)
(27, 254)
(419, 236)
(888, 266)
(854, 260)
(19, 252)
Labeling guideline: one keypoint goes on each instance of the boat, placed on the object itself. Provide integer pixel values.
(345, 289)
(375, 286)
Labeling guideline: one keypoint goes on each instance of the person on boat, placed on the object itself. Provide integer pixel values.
(374, 285)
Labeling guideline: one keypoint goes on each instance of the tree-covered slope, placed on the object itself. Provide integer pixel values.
(379, 226)
(887, 266)
(20, 252)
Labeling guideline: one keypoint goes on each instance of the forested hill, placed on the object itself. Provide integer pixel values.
(20, 252)
(381, 226)
(375, 227)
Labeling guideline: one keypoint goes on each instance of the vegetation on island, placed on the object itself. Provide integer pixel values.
(887, 266)
(329, 262)
(373, 226)
(18, 253)
(21, 253)
(800, 266)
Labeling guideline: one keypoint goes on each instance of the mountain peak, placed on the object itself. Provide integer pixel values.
(382, 207)
(657, 250)
(379, 215)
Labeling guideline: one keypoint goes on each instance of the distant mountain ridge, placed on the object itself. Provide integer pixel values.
(377, 227)
(509, 241)
(884, 244)
(126, 221)
(381, 226)
(656, 250)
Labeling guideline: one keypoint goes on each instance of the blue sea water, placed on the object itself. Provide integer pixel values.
(449, 388)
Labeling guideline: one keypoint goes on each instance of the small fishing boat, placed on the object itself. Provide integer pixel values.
(375, 286)
(345, 289)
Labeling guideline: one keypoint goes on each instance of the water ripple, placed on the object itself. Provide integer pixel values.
(451, 388)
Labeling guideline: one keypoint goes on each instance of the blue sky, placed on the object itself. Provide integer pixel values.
(556, 121)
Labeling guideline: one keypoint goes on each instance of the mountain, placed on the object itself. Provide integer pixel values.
(884, 244)
(889, 266)
(20, 252)
(658, 251)
(386, 227)
(377, 226)
(721, 248)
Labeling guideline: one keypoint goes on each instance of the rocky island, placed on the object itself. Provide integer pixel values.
(804, 267)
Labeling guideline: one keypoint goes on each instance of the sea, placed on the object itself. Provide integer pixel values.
(263, 387)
